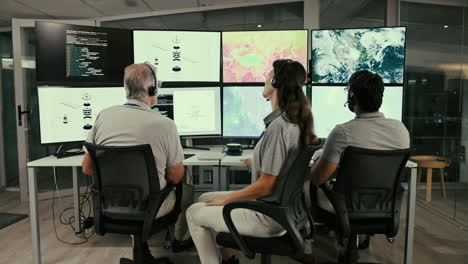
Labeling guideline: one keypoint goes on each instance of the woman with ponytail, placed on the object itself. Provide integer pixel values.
(288, 128)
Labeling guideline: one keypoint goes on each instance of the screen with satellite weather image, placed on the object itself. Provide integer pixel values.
(338, 53)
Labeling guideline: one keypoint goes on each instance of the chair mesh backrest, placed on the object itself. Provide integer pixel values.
(124, 178)
(370, 180)
(288, 189)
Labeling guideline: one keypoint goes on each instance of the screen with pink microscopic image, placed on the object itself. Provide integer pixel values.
(248, 55)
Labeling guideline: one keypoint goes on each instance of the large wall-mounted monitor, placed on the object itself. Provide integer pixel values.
(196, 111)
(244, 108)
(329, 109)
(72, 55)
(67, 114)
(337, 53)
(181, 56)
(248, 55)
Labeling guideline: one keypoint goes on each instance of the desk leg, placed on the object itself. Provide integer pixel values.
(76, 200)
(216, 178)
(223, 179)
(34, 216)
(409, 237)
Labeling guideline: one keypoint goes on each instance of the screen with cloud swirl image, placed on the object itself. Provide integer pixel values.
(338, 53)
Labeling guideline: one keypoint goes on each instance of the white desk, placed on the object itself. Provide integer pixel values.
(75, 163)
(223, 164)
(234, 161)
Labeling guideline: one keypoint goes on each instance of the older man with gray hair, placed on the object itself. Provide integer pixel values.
(135, 123)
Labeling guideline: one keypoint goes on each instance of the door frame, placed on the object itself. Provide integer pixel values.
(2, 145)
(18, 25)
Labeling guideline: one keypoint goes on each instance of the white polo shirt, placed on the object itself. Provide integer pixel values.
(371, 131)
(135, 123)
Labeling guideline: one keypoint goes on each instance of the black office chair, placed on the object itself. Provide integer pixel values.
(366, 197)
(288, 210)
(127, 196)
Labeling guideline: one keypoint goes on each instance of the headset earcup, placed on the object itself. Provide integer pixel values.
(152, 91)
(273, 82)
(351, 101)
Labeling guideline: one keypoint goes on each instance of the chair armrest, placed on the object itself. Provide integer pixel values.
(273, 211)
(311, 220)
(338, 202)
(179, 191)
(154, 204)
(397, 211)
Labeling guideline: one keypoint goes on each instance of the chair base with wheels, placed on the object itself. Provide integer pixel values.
(280, 246)
(141, 253)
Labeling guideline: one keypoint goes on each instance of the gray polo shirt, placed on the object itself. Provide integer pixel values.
(134, 124)
(371, 131)
(279, 138)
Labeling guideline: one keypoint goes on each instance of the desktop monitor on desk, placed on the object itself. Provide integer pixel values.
(67, 114)
(196, 111)
(329, 110)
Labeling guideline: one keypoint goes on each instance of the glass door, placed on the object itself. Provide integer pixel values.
(9, 153)
(26, 111)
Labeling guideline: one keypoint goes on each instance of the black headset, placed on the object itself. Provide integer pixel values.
(276, 81)
(350, 101)
(152, 90)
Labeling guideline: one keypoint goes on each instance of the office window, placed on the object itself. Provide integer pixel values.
(352, 14)
(434, 98)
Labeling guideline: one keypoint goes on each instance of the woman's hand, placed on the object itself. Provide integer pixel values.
(248, 163)
(218, 200)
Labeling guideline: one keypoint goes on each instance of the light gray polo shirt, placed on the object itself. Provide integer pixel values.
(371, 131)
(134, 124)
(279, 138)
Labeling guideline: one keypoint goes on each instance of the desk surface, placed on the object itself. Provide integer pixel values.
(75, 161)
(234, 161)
(228, 161)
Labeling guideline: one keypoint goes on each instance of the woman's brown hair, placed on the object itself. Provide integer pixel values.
(289, 77)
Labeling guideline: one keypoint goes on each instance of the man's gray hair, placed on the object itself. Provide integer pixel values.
(137, 78)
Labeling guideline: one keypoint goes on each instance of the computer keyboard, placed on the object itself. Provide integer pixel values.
(186, 156)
